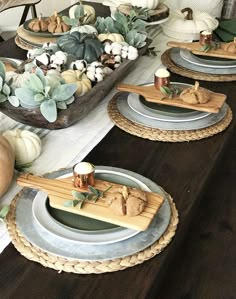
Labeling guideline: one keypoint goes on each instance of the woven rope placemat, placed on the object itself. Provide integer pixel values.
(164, 135)
(166, 60)
(60, 264)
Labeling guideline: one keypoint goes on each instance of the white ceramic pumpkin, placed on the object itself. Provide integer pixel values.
(187, 24)
(150, 4)
(78, 77)
(89, 12)
(114, 37)
(26, 145)
(7, 162)
(213, 7)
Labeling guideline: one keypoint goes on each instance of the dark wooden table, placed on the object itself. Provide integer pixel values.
(192, 174)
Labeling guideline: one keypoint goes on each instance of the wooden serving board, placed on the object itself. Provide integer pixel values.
(59, 191)
(151, 94)
(195, 49)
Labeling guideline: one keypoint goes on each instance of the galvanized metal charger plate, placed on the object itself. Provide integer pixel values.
(81, 266)
(167, 135)
(197, 73)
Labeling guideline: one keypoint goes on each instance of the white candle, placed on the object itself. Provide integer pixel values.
(84, 168)
(162, 73)
(206, 32)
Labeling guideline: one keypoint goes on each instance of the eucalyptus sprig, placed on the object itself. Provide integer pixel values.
(3, 213)
(169, 91)
(80, 197)
(212, 46)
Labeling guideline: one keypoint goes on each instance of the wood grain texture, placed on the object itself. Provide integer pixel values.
(59, 191)
(195, 49)
(186, 171)
(151, 94)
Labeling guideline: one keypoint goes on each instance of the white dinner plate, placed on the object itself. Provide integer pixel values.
(95, 237)
(217, 63)
(66, 248)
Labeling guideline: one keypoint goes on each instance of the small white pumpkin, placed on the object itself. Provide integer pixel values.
(78, 77)
(89, 12)
(150, 4)
(89, 29)
(26, 145)
(114, 37)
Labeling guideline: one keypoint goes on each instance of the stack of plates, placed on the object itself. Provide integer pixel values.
(164, 117)
(74, 236)
(205, 64)
(31, 39)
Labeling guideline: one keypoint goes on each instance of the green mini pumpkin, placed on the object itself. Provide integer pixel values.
(83, 46)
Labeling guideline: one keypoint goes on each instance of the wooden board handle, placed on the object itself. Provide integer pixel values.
(174, 44)
(134, 88)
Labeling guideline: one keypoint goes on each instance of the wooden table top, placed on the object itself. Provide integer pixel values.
(183, 169)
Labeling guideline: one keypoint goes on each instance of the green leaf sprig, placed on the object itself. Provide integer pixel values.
(169, 91)
(212, 46)
(80, 197)
(3, 213)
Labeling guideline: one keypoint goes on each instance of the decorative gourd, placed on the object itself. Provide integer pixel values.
(58, 27)
(151, 4)
(26, 145)
(89, 13)
(230, 47)
(17, 78)
(54, 17)
(88, 29)
(81, 45)
(114, 37)
(39, 24)
(187, 24)
(7, 162)
(195, 95)
(78, 77)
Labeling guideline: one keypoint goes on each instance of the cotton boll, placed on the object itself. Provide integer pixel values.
(42, 59)
(91, 75)
(79, 65)
(99, 77)
(124, 54)
(108, 48)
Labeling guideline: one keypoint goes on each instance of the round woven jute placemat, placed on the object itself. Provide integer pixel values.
(60, 264)
(164, 135)
(166, 60)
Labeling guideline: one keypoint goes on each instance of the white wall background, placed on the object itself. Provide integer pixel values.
(10, 19)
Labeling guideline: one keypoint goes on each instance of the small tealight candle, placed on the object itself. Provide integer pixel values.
(205, 37)
(83, 174)
(161, 78)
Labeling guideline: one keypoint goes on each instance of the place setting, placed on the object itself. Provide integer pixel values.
(91, 219)
(169, 111)
(206, 59)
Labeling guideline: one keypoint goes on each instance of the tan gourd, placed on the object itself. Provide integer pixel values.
(39, 24)
(7, 162)
(25, 144)
(114, 37)
(78, 77)
(58, 27)
(195, 95)
(230, 47)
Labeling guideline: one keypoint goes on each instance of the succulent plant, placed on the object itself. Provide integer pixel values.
(47, 92)
(6, 92)
(130, 26)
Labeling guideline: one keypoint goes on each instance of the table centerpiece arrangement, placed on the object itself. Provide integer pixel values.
(62, 81)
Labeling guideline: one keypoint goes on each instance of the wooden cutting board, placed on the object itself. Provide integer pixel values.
(59, 191)
(151, 94)
(195, 49)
